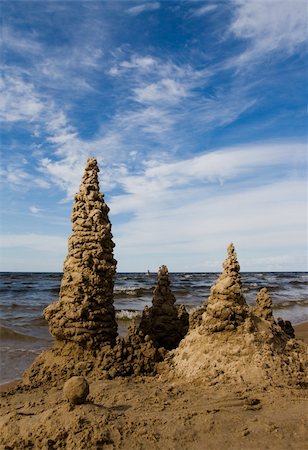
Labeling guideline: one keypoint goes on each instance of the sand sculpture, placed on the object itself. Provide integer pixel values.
(83, 319)
(85, 313)
(264, 310)
(237, 344)
(164, 322)
(226, 307)
(227, 339)
(264, 305)
(136, 354)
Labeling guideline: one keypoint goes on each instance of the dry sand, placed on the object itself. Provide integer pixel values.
(157, 413)
(152, 414)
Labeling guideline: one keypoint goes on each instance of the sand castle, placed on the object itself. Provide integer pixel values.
(227, 340)
(164, 322)
(234, 343)
(226, 306)
(83, 319)
(205, 394)
(84, 313)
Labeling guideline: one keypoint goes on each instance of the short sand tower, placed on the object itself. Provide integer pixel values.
(226, 307)
(164, 322)
(84, 312)
(264, 305)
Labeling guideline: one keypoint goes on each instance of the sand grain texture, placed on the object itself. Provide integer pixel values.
(153, 413)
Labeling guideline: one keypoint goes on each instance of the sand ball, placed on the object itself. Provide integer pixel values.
(76, 390)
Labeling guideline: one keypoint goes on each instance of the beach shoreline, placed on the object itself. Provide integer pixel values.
(301, 332)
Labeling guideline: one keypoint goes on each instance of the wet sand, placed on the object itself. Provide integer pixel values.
(301, 331)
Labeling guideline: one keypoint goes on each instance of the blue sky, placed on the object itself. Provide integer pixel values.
(196, 112)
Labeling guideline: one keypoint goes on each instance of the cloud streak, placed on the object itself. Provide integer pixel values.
(144, 7)
(269, 27)
(203, 10)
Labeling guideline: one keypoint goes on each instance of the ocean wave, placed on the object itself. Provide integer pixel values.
(298, 283)
(15, 289)
(132, 292)
(38, 321)
(8, 333)
(135, 292)
(128, 314)
(290, 304)
(17, 351)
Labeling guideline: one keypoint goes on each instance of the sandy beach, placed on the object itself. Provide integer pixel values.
(150, 413)
(158, 412)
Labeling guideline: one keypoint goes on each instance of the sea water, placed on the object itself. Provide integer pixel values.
(23, 296)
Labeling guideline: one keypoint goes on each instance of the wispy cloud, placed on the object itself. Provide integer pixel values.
(203, 10)
(269, 26)
(254, 219)
(144, 7)
(15, 175)
(226, 195)
(166, 90)
(81, 82)
(18, 42)
(216, 167)
(19, 101)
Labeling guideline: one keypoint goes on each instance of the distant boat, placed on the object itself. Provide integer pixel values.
(148, 272)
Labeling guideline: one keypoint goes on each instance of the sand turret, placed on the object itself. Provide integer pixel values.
(264, 305)
(166, 323)
(226, 307)
(85, 313)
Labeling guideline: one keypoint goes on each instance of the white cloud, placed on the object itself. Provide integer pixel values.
(185, 213)
(36, 242)
(62, 138)
(139, 62)
(173, 92)
(34, 210)
(203, 10)
(229, 165)
(195, 231)
(269, 26)
(166, 90)
(14, 174)
(145, 7)
(19, 101)
(19, 42)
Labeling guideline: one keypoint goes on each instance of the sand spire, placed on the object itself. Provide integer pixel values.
(85, 312)
(164, 322)
(264, 305)
(226, 307)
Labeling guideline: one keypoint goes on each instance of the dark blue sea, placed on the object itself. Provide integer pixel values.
(23, 296)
